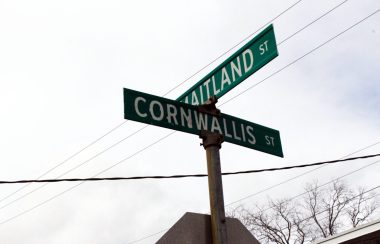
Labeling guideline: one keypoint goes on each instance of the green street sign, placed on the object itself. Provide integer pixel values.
(243, 63)
(183, 117)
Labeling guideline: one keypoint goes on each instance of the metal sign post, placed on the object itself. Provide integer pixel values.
(212, 142)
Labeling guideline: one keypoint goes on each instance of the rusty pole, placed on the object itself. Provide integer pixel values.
(212, 143)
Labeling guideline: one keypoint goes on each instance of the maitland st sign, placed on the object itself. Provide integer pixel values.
(183, 117)
(243, 63)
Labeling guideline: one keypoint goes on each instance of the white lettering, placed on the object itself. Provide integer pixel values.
(194, 100)
(225, 78)
(200, 121)
(215, 125)
(207, 88)
(269, 140)
(172, 113)
(250, 133)
(242, 132)
(246, 66)
(216, 91)
(263, 47)
(236, 69)
(234, 131)
(151, 110)
(137, 100)
(225, 129)
(186, 117)
(201, 93)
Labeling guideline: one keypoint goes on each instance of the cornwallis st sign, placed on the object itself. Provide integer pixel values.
(183, 117)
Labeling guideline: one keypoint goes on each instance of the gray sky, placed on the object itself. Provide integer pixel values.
(63, 66)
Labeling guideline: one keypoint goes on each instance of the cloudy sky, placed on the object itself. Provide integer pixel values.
(63, 66)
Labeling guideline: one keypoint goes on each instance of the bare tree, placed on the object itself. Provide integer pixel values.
(320, 213)
(326, 206)
(362, 207)
(281, 222)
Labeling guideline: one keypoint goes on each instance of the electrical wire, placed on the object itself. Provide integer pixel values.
(188, 175)
(66, 160)
(312, 22)
(301, 57)
(361, 168)
(338, 178)
(121, 161)
(238, 44)
(68, 171)
(146, 237)
(307, 172)
(164, 230)
(80, 183)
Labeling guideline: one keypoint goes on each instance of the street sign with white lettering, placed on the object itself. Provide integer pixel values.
(243, 63)
(183, 117)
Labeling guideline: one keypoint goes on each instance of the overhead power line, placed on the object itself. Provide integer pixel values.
(333, 180)
(67, 159)
(361, 168)
(312, 22)
(237, 44)
(189, 175)
(308, 172)
(303, 56)
(319, 186)
(121, 161)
